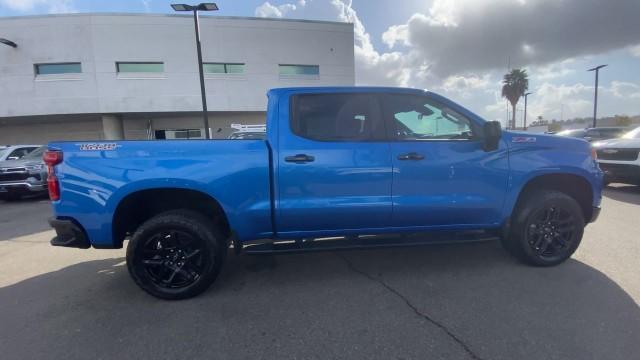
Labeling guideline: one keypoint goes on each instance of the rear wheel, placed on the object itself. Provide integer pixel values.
(176, 255)
(547, 228)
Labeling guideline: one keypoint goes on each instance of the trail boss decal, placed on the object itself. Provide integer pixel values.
(98, 146)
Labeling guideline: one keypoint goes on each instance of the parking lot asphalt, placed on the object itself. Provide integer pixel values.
(468, 301)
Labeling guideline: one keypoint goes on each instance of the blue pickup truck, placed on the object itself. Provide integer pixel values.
(339, 168)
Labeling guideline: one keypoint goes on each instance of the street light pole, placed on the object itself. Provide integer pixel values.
(595, 99)
(526, 95)
(203, 93)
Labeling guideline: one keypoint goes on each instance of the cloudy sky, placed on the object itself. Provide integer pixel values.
(461, 48)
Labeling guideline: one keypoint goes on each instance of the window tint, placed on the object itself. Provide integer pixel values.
(223, 68)
(59, 68)
(419, 118)
(299, 70)
(140, 67)
(336, 117)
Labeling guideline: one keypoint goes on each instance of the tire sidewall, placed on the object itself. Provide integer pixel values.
(183, 221)
(531, 205)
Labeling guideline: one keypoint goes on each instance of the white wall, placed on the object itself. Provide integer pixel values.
(98, 41)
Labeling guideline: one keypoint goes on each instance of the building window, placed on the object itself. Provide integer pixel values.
(140, 67)
(58, 68)
(299, 70)
(223, 68)
(179, 134)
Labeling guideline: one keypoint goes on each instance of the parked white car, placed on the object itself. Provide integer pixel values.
(15, 152)
(619, 159)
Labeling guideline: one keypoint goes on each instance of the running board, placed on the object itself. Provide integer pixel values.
(366, 241)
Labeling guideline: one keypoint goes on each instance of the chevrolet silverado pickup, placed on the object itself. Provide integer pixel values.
(339, 168)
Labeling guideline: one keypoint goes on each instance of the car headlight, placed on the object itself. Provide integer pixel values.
(36, 167)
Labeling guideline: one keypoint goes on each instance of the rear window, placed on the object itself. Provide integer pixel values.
(336, 117)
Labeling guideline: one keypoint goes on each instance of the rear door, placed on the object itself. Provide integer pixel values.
(442, 176)
(334, 165)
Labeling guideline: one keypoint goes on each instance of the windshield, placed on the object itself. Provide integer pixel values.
(37, 153)
(633, 134)
(3, 152)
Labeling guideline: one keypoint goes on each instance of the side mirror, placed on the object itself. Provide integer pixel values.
(492, 135)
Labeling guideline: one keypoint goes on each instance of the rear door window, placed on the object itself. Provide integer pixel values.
(337, 117)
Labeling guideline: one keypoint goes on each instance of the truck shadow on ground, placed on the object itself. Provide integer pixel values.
(625, 193)
(451, 301)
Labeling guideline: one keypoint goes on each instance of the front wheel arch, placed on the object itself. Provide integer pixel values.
(575, 186)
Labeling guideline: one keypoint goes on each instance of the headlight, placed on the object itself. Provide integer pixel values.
(35, 167)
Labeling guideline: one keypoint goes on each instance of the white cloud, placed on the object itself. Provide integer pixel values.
(469, 35)
(635, 50)
(268, 10)
(372, 67)
(624, 90)
(53, 6)
(462, 83)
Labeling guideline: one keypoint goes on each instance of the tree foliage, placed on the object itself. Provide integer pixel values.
(555, 127)
(514, 85)
(622, 120)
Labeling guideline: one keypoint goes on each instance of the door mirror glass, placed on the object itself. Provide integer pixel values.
(492, 135)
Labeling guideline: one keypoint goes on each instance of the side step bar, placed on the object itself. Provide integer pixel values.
(365, 241)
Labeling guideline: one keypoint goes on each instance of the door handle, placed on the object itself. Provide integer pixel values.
(299, 158)
(411, 156)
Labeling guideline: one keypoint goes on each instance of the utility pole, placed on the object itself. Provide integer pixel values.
(595, 98)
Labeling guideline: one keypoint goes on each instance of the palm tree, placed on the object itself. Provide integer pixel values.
(514, 85)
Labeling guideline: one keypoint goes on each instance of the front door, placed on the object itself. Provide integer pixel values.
(442, 176)
(334, 165)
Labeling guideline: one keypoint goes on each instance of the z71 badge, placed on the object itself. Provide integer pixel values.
(98, 146)
(523, 139)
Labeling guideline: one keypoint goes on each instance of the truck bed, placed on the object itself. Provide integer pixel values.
(95, 180)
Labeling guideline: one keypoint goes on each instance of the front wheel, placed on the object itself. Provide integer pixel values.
(547, 228)
(175, 255)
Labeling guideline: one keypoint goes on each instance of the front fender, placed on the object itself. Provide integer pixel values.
(548, 156)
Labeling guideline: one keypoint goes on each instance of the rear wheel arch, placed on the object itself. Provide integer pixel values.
(139, 206)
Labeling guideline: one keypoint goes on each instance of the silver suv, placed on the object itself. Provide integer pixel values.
(15, 152)
(25, 176)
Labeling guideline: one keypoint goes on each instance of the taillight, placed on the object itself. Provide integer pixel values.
(54, 186)
(52, 158)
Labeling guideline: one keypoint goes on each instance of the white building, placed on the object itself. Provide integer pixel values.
(125, 76)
